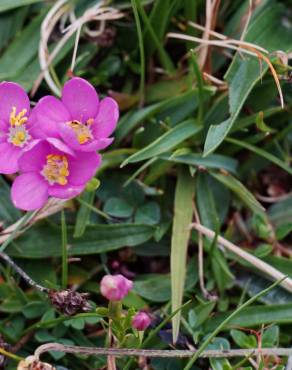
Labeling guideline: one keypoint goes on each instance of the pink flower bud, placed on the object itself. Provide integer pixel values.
(141, 321)
(115, 287)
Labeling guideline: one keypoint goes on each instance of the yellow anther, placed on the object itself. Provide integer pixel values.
(82, 131)
(17, 119)
(56, 169)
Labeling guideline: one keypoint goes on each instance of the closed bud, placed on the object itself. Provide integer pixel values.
(141, 321)
(115, 287)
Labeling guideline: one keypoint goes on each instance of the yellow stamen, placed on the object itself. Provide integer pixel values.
(82, 131)
(56, 169)
(17, 119)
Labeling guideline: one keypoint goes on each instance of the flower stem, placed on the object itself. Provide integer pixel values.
(64, 251)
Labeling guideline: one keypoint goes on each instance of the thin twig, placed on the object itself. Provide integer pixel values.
(159, 353)
(22, 273)
(256, 262)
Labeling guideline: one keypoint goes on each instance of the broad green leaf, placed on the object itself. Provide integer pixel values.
(148, 214)
(44, 241)
(198, 315)
(21, 51)
(212, 161)
(157, 287)
(243, 74)
(11, 4)
(10, 24)
(253, 284)
(183, 213)
(167, 141)
(241, 191)
(254, 316)
(118, 207)
(243, 340)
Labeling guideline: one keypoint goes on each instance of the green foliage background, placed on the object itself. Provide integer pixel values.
(181, 142)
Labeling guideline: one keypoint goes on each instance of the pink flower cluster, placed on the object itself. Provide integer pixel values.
(54, 146)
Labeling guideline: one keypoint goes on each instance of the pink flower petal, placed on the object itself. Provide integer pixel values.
(3, 131)
(49, 113)
(69, 136)
(29, 191)
(59, 145)
(107, 118)
(12, 95)
(65, 192)
(83, 167)
(9, 155)
(80, 98)
(34, 128)
(34, 157)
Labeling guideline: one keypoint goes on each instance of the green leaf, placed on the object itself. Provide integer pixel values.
(243, 340)
(254, 316)
(8, 213)
(270, 336)
(183, 213)
(83, 214)
(148, 214)
(44, 241)
(241, 191)
(217, 161)
(132, 119)
(11, 4)
(118, 207)
(157, 287)
(21, 51)
(167, 141)
(206, 203)
(34, 309)
(10, 23)
(243, 74)
(199, 314)
(281, 212)
(262, 153)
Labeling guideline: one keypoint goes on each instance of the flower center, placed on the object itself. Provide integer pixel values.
(18, 136)
(17, 119)
(82, 131)
(56, 170)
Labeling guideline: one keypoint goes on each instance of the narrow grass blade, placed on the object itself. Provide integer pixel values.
(179, 242)
(141, 48)
(226, 321)
(262, 153)
(241, 191)
(64, 251)
(166, 142)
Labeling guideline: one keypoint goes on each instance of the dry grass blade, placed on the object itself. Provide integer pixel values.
(254, 261)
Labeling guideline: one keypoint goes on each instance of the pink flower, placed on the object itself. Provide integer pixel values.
(83, 122)
(14, 125)
(141, 321)
(115, 287)
(50, 168)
